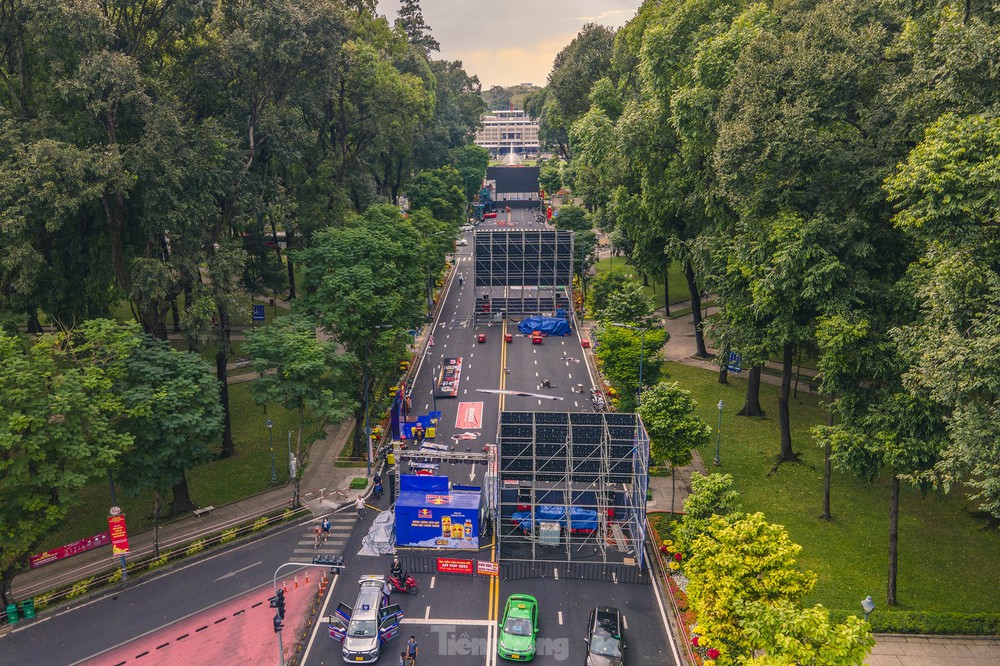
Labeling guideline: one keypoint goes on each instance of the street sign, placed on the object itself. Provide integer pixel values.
(258, 313)
(735, 362)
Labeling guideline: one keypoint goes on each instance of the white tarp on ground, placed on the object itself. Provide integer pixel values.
(380, 539)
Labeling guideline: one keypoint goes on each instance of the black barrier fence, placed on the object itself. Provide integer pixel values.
(523, 569)
(596, 571)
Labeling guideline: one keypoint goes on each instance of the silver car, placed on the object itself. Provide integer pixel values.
(366, 627)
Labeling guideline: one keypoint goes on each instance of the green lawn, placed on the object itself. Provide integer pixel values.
(948, 561)
(678, 283)
(214, 483)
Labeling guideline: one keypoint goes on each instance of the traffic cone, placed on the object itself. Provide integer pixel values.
(284, 586)
(296, 578)
(307, 576)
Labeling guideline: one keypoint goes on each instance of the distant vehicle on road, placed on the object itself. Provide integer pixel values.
(467, 227)
(605, 640)
(462, 241)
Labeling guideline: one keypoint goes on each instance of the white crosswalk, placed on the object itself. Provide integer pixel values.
(341, 527)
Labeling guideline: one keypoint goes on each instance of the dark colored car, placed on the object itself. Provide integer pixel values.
(605, 637)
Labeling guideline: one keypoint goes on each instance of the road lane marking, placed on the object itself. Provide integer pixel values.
(555, 573)
(625, 622)
(433, 578)
(460, 621)
(560, 618)
(233, 573)
(427, 613)
(322, 613)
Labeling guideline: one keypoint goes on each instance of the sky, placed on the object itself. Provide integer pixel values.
(497, 42)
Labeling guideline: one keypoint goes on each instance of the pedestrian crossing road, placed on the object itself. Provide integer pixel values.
(332, 545)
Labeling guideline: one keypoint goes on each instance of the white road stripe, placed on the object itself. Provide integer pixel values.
(560, 618)
(427, 613)
(555, 573)
(461, 622)
(433, 578)
(625, 623)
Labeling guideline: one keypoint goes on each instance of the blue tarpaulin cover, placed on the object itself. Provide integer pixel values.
(423, 484)
(582, 519)
(547, 325)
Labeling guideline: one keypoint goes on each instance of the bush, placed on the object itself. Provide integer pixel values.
(259, 524)
(921, 622)
(79, 588)
(195, 548)
(158, 562)
(228, 535)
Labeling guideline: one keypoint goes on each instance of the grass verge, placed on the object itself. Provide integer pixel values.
(947, 557)
(678, 283)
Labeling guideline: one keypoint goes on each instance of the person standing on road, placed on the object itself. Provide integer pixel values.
(316, 532)
(326, 528)
(461, 279)
(360, 505)
(411, 650)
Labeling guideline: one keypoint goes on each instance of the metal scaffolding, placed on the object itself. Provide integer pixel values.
(580, 479)
(481, 464)
(522, 272)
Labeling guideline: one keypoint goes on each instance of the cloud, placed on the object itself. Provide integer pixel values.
(610, 17)
(504, 66)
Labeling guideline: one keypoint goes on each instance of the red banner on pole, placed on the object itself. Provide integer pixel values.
(449, 565)
(119, 537)
(69, 550)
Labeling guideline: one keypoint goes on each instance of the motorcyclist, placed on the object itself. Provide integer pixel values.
(377, 482)
(396, 571)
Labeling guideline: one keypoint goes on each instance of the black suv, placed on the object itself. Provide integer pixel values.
(605, 639)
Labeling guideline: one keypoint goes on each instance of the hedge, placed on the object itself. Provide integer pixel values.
(920, 622)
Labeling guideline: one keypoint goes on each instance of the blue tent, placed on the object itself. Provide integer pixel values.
(428, 515)
(547, 325)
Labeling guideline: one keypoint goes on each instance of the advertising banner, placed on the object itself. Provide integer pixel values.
(449, 565)
(119, 537)
(487, 568)
(428, 515)
(69, 550)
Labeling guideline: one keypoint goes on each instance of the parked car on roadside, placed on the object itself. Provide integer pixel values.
(605, 637)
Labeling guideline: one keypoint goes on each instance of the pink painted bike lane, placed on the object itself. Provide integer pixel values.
(237, 631)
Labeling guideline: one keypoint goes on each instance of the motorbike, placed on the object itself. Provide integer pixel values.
(378, 490)
(408, 584)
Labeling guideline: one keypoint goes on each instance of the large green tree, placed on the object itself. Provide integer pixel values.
(175, 420)
(59, 429)
(364, 283)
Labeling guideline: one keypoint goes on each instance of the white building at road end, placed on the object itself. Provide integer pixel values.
(505, 132)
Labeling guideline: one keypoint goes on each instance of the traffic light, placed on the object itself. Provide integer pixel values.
(278, 626)
(336, 564)
(278, 602)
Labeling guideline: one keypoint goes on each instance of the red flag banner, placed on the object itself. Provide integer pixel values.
(119, 536)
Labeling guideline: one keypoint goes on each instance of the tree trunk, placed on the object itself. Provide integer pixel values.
(893, 541)
(34, 326)
(699, 336)
(751, 406)
(291, 275)
(359, 426)
(666, 290)
(827, 472)
(176, 314)
(724, 368)
(221, 359)
(645, 280)
(786, 454)
(182, 498)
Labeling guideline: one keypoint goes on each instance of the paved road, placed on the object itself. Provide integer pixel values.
(451, 615)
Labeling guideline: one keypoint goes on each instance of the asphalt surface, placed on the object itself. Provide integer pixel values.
(453, 617)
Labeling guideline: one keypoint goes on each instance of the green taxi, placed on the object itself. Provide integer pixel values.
(518, 628)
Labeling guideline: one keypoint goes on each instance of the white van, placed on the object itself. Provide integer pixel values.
(366, 627)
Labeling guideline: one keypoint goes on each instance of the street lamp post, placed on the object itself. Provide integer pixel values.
(642, 354)
(718, 441)
(270, 446)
